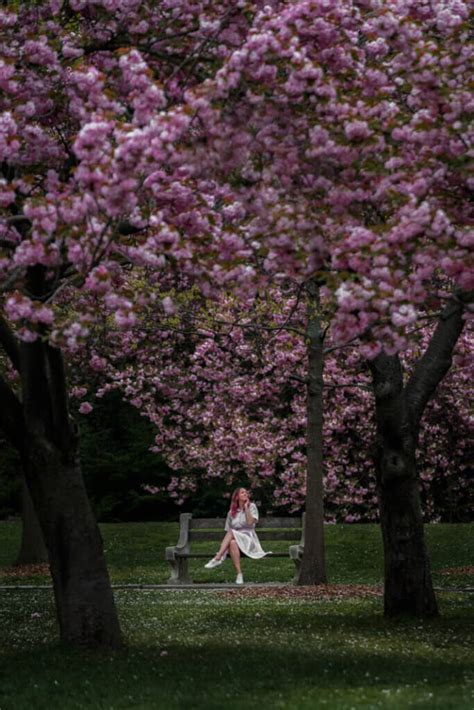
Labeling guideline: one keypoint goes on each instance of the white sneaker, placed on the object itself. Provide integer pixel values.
(240, 579)
(213, 563)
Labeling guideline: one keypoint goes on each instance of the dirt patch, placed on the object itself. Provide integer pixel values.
(21, 571)
(321, 591)
(453, 571)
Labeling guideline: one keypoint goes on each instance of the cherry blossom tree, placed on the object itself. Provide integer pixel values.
(324, 141)
(349, 131)
(340, 129)
(91, 184)
(226, 393)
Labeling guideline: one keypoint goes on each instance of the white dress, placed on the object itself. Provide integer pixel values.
(244, 534)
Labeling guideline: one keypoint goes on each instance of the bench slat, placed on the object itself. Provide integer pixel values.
(270, 522)
(211, 523)
(207, 555)
(196, 535)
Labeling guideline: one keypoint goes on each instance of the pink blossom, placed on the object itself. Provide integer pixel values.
(357, 130)
(168, 306)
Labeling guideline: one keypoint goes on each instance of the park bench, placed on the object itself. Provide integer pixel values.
(212, 529)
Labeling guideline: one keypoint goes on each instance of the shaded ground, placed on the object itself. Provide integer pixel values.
(268, 644)
(208, 651)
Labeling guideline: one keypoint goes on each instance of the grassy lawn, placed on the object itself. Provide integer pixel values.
(136, 553)
(216, 650)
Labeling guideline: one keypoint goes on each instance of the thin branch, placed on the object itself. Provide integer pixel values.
(302, 380)
(6, 285)
(19, 220)
(332, 385)
(76, 280)
(350, 342)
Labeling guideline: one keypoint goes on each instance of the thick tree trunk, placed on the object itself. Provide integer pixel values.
(32, 548)
(38, 424)
(85, 605)
(399, 409)
(313, 565)
(408, 585)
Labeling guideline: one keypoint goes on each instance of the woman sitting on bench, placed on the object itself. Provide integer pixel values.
(240, 533)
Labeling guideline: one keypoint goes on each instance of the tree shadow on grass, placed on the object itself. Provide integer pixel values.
(195, 650)
(217, 675)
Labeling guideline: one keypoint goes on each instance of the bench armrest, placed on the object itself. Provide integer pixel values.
(296, 552)
(184, 524)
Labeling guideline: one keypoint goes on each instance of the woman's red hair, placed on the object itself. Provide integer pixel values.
(234, 502)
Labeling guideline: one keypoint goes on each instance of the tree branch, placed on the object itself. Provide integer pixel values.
(333, 385)
(302, 380)
(436, 361)
(19, 221)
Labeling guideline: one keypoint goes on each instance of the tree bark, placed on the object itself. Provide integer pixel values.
(313, 566)
(32, 547)
(399, 410)
(86, 609)
(408, 585)
(84, 601)
(40, 427)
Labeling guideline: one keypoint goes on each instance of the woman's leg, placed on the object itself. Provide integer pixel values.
(228, 537)
(235, 555)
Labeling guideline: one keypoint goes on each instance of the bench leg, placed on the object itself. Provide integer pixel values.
(297, 573)
(296, 553)
(179, 571)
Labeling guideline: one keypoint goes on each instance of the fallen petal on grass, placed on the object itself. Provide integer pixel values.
(320, 591)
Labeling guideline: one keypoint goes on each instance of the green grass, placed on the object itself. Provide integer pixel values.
(204, 650)
(135, 554)
(211, 650)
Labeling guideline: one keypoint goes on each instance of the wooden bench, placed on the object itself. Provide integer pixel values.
(200, 529)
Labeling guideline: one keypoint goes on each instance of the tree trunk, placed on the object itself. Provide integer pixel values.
(313, 566)
(39, 425)
(408, 585)
(32, 548)
(399, 410)
(84, 601)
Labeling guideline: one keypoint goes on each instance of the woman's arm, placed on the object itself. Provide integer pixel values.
(248, 514)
